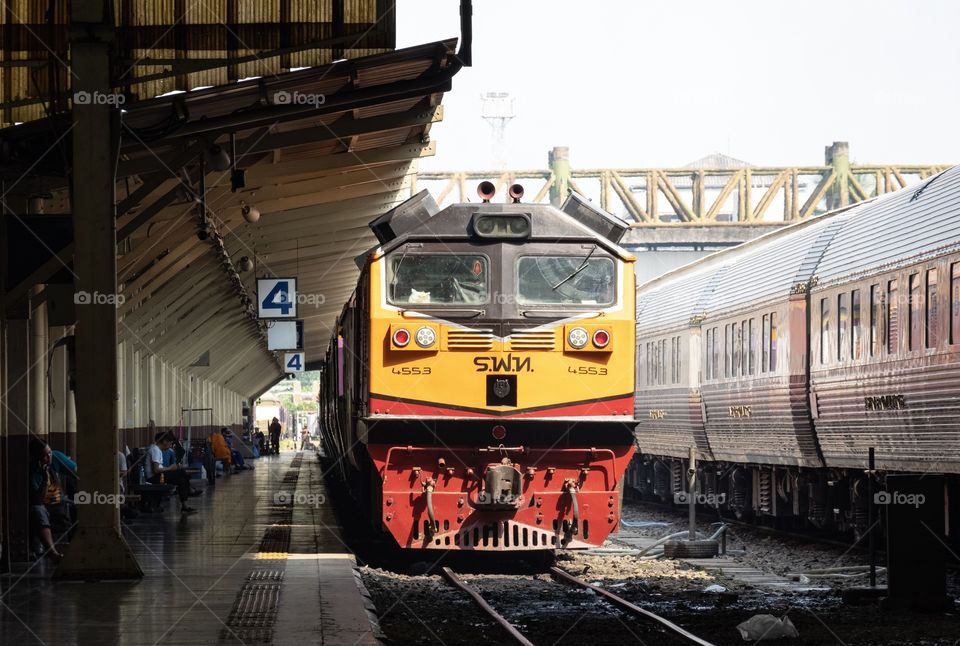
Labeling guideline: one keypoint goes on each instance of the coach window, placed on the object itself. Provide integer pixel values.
(915, 323)
(773, 341)
(727, 350)
(893, 325)
(765, 344)
(679, 360)
(855, 324)
(824, 331)
(663, 361)
(716, 353)
(753, 347)
(955, 302)
(674, 359)
(933, 320)
(709, 352)
(649, 363)
(742, 365)
(875, 312)
(843, 326)
(656, 362)
(737, 350)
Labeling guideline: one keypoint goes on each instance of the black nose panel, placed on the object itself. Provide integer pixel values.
(501, 390)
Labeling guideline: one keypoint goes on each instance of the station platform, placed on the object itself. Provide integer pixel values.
(262, 562)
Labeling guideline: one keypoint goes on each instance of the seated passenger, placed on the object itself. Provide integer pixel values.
(238, 460)
(46, 496)
(156, 473)
(221, 450)
(169, 457)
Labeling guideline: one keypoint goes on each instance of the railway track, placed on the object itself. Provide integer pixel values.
(563, 577)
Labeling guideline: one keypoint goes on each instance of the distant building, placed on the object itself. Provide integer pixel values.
(268, 408)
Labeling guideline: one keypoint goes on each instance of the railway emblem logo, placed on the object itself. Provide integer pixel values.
(501, 388)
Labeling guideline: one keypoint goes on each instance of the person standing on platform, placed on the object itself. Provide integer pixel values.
(275, 435)
(304, 438)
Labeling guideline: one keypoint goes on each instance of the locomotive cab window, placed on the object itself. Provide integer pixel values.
(436, 279)
(565, 280)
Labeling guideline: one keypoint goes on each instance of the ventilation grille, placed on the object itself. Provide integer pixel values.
(504, 535)
(462, 339)
(533, 340)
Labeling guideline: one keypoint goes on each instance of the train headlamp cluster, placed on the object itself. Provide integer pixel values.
(588, 337)
(513, 225)
(426, 337)
(578, 337)
(601, 338)
(401, 337)
(404, 336)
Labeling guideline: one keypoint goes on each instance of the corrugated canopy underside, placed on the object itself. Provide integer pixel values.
(165, 45)
(316, 176)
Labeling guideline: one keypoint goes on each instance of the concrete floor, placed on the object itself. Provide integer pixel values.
(241, 571)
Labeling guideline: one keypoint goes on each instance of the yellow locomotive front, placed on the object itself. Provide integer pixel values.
(499, 398)
(474, 329)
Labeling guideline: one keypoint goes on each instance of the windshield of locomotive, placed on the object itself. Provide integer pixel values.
(567, 280)
(418, 279)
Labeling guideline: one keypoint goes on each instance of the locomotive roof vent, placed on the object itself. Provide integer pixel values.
(405, 217)
(609, 226)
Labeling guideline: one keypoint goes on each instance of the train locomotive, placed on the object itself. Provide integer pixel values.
(784, 361)
(478, 391)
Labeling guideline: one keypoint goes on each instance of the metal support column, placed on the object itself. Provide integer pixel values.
(57, 401)
(98, 549)
(38, 366)
(559, 159)
(837, 155)
(15, 446)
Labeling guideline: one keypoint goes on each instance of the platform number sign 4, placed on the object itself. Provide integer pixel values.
(294, 361)
(277, 298)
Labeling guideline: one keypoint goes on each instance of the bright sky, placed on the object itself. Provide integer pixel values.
(630, 83)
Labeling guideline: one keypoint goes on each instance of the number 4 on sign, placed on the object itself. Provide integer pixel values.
(294, 361)
(277, 297)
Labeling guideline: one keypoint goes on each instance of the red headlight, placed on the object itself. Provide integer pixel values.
(401, 337)
(499, 432)
(601, 338)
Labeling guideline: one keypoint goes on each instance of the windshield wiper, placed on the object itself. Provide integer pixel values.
(396, 270)
(583, 265)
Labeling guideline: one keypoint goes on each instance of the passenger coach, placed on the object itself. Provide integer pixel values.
(784, 360)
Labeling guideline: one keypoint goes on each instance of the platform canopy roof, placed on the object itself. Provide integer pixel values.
(165, 45)
(318, 151)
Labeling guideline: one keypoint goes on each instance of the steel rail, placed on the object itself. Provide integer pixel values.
(510, 628)
(629, 607)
